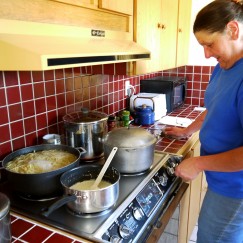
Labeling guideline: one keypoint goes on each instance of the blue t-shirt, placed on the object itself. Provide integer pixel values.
(222, 129)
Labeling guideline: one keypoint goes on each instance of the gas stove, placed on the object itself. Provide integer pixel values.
(143, 198)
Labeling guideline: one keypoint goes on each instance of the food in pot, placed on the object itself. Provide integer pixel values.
(41, 161)
(87, 184)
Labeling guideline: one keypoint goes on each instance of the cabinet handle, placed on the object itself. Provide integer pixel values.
(162, 26)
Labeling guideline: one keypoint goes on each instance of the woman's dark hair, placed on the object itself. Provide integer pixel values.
(216, 15)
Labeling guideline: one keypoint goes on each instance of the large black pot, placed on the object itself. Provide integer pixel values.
(42, 185)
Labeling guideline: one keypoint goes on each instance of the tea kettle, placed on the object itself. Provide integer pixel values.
(144, 115)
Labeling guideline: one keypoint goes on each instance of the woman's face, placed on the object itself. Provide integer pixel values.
(220, 46)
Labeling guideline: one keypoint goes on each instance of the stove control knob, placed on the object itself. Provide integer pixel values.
(124, 231)
(170, 170)
(163, 180)
(138, 213)
(115, 239)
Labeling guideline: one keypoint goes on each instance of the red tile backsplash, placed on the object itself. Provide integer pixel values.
(3, 99)
(34, 102)
(15, 112)
(13, 94)
(4, 116)
(11, 78)
(1, 80)
(25, 77)
(4, 131)
(26, 92)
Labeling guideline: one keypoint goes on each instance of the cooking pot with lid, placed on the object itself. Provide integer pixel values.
(86, 129)
(135, 149)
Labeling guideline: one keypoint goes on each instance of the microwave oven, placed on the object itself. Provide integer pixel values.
(173, 87)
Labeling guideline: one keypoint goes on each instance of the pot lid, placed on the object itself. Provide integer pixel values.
(4, 205)
(129, 138)
(85, 116)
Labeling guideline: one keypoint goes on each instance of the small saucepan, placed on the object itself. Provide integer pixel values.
(87, 201)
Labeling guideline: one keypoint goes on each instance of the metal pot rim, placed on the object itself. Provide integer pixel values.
(41, 147)
(82, 167)
(80, 117)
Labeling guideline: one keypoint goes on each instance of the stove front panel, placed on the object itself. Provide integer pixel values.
(143, 206)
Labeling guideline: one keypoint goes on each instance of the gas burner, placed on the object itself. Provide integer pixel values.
(36, 199)
(137, 174)
(89, 215)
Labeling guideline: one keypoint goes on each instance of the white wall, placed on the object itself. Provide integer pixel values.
(196, 53)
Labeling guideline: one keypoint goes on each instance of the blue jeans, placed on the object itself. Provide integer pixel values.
(220, 219)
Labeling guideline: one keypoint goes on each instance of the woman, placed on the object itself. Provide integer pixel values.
(219, 30)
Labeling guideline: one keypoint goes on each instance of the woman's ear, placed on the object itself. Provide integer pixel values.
(233, 29)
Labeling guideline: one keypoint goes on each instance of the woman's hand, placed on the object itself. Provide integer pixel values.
(177, 132)
(187, 169)
(185, 132)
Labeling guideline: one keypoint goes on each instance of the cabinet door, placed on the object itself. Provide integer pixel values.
(168, 39)
(191, 203)
(146, 19)
(163, 27)
(183, 32)
(124, 6)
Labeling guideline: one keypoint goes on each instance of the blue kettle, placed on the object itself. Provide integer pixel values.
(143, 115)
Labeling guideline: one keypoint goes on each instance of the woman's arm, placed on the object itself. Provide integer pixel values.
(229, 161)
(180, 132)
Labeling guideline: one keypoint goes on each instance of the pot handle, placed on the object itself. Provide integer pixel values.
(62, 201)
(3, 174)
(81, 150)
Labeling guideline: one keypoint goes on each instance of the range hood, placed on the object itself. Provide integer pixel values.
(40, 46)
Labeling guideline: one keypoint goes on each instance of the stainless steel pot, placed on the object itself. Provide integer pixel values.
(87, 201)
(5, 222)
(86, 129)
(135, 149)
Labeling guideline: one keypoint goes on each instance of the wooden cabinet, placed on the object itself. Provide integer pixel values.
(183, 32)
(95, 14)
(163, 27)
(191, 203)
(147, 33)
(124, 6)
(168, 33)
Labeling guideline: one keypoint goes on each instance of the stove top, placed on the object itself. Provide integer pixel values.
(96, 227)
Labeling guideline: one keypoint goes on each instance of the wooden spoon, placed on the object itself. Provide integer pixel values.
(104, 168)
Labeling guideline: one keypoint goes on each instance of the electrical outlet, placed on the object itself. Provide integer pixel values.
(127, 87)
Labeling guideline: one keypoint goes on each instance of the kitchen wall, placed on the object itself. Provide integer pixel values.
(198, 57)
(32, 103)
